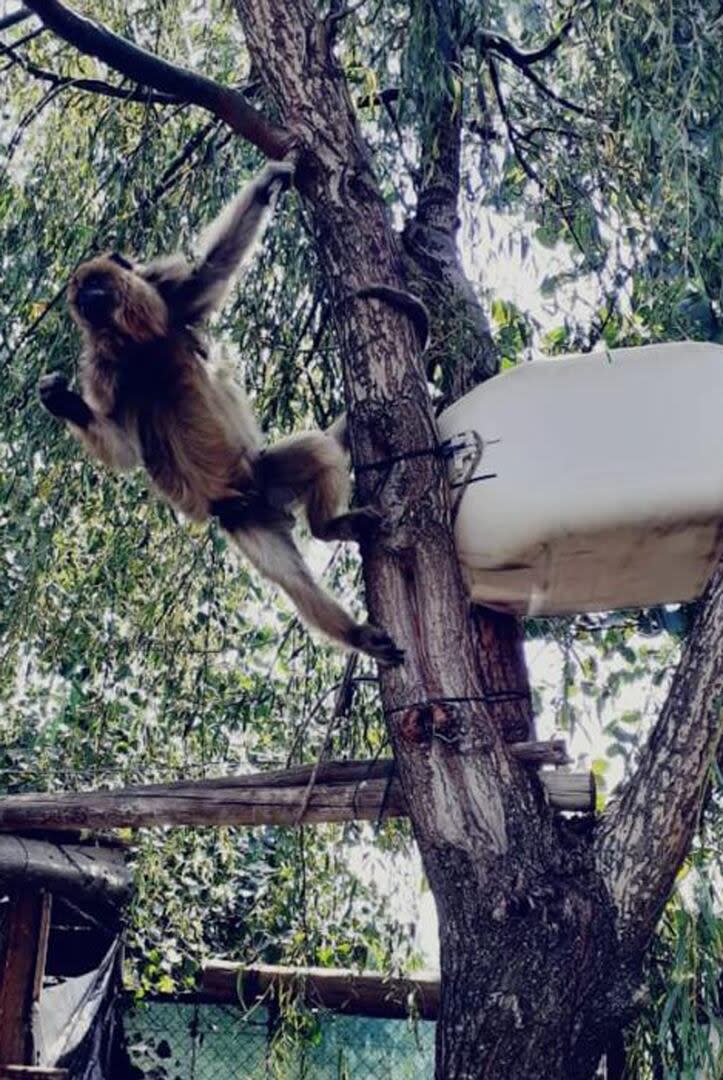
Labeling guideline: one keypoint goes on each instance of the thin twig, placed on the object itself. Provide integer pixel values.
(564, 102)
(342, 705)
(529, 170)
(522, 58)
(145, 68)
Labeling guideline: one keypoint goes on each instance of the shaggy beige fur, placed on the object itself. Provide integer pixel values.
(152, 395)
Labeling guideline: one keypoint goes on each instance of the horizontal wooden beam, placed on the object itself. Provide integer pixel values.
(368, 993)
(32, 1072)
(342, 791)
(73, 870)
(553, 752)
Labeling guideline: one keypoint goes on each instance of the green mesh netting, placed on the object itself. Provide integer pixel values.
(172, 1041)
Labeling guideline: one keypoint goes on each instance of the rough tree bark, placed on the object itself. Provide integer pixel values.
(542, 923)
(537, 971)
(527, 929)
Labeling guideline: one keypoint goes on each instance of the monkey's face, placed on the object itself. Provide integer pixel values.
(107, 294)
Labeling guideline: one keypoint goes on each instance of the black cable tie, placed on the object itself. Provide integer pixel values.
(491, 698)
(443, 450)
(385, 463)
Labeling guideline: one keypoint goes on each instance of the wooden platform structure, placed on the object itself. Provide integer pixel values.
(75, 870)
(41, 852)
(33, 870)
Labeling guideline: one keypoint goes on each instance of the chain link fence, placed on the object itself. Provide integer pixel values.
(170, 1040)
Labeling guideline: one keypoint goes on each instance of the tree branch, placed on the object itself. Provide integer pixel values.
(530, 171)
(647, 830)
(461, 348)
(557, 98)
(170, 175)
(14, 18)
(487, 39)
(94, 86)
(414, 587)
(146, 69)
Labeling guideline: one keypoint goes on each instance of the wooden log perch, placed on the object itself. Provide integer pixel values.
(81, 872)
(342, 791)
(368, 993)
(553, 752)
(570, 791)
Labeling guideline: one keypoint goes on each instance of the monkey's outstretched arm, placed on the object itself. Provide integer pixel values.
(103, 439)
(195, 290)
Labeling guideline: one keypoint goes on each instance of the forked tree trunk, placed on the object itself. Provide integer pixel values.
(526, 932)
(534, 982)
(542, 923)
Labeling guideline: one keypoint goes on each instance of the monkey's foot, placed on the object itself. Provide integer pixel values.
(61, 402)
(376, 643)
(356, 525)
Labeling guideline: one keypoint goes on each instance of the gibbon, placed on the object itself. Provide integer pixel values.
(152, 394)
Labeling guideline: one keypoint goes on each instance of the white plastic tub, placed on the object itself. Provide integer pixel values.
(600, 482)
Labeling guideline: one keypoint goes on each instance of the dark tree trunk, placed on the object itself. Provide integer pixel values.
(536, 976)
(527, 932)
(527, 990)
(461, 353)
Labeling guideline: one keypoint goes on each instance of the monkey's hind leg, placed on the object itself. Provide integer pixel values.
(274, 553)
(312, 468)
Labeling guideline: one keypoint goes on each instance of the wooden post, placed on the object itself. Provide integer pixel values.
(553, 752)
(342, 791)
(22, 963)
